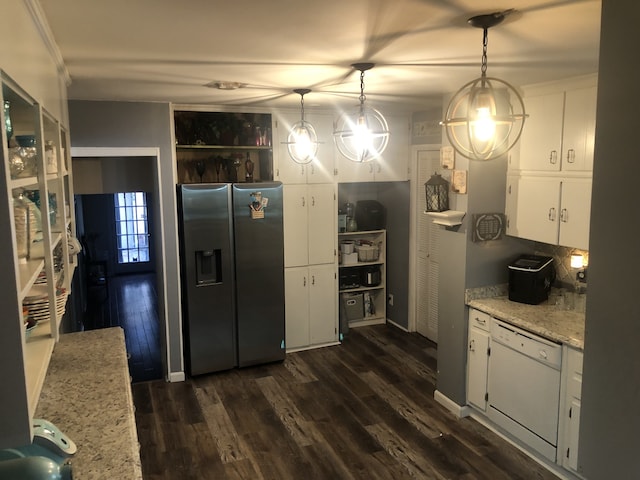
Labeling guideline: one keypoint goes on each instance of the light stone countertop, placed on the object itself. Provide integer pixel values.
(548, 321)
(87, 395)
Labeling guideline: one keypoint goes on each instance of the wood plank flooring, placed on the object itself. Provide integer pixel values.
(130, 301)
(362, 410)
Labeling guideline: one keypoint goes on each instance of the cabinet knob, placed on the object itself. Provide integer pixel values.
(571, 155)
(472, 346)
(313, 201)
(564, 215)
(304, 281)
(304, 203)
(313, 279)
(481, 321)
(552, 214)
(553, 157)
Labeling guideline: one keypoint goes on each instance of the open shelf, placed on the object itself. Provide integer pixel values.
(448, 218)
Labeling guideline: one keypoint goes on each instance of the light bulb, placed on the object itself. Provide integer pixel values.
(576, 261)
(484, 128)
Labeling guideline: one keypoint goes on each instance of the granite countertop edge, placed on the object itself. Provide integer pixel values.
(87, 394)
(548, 321)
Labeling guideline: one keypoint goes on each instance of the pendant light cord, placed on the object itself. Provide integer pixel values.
(362, 95)
(302, 107)
(485, 41)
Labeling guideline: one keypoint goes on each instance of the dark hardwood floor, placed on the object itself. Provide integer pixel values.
(130, 301)
(361, 410)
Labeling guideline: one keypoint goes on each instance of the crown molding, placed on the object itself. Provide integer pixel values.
(41, 23)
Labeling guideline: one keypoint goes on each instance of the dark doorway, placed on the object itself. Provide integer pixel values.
(117, 294)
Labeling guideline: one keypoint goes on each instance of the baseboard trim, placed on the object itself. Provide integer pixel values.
(312, 347)
(458, 410)
(404, 329)
(176, 377)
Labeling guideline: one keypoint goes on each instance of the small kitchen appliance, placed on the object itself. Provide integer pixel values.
(370, 215)
(530, 279)
(370, 275)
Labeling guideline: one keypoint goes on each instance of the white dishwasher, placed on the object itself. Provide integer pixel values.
(524, 386)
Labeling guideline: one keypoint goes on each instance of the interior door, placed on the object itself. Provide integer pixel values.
(427, 266)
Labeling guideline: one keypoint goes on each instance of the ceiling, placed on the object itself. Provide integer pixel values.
(169, 50)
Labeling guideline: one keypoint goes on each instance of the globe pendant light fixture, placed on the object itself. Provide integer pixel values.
(302, 142)
(362, 135)
(485, 117)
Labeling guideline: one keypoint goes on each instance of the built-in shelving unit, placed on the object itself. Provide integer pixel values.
(355, 288)
(37, 192)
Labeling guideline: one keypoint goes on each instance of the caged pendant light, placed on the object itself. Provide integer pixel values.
(302, 142)
(485, 117)
(364, 134)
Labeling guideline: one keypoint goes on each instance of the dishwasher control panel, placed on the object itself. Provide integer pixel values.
(527, 343)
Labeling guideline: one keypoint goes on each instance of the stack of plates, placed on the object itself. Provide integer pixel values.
(38, 303)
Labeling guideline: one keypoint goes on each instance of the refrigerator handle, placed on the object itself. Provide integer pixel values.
(208, 267)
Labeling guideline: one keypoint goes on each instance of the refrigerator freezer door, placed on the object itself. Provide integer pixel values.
(207, 277)
(259, 252)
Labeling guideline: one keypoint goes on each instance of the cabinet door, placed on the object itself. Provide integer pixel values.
(579, 129)
(322, 223)
(287, 171)
(321, 169)
(511, 205)
(393, 165)
(295, 225)
(477, 364)
(575, 213)
(537, 212)
(541, 141)
(323, 296)
(349, 171)
(296, 296)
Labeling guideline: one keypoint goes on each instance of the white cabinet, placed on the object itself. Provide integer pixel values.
(310, 216)
(310, 257)
(559, 132)
(311, 308)
(36, 216)
(393, 164)
(321, 169)
(478, 358)
(572, 395)
(549, 209)
(365, 277)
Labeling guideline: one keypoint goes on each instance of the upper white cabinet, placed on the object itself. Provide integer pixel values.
(548, 195)
(321, 169)
(393, 164)
(309, 224)
(37, 213)
(560, 130)
(549, 209)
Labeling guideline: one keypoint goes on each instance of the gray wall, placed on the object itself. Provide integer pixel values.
(133, 124)
(395, 197)
(465, 264)
(610, 424)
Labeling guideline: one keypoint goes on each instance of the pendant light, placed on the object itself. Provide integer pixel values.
(362, 135)
(302, 142)
(485, 117)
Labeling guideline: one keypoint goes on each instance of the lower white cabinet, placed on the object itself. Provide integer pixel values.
(570, 421)
(478, 358)
(310, 306)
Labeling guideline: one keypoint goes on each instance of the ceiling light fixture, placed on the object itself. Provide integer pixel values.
(302, 142)
(485, 117)
(364, 134)
(221, 85)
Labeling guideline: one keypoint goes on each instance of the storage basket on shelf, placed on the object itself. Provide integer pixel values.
(368, 252)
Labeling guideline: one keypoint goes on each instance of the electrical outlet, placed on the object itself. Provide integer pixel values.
(581, 276)
(390, 299)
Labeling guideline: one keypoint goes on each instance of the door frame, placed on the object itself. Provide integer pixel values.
(160, 260)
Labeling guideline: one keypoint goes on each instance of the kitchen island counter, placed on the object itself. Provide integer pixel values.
(87, 394)
(548, 321)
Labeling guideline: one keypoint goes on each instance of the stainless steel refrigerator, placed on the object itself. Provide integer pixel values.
(232, 273)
